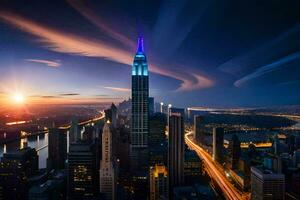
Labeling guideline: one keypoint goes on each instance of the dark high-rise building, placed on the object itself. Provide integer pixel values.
(74, 134)
(140, 109)
(234, 151)
(82, 172)
(157, 130)
(291, 143)
(15, 169)
(176, 150)
(88, 133)
(266, 184)
(297, 141)
(192, 167)
(218, 140)
(157, 140)
(57, 149)
(151, 106)
(199, 129)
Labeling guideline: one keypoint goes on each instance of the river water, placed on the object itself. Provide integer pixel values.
(37, 142)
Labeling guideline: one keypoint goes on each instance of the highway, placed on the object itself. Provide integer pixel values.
(85, 122)
(215, 171)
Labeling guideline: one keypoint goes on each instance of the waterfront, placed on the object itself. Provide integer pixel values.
(38, 142)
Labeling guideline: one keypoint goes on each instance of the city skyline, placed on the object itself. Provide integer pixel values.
(78, 50)
(132, 100)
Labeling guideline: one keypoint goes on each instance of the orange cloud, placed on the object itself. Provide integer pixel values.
(54, 99)
(118, 89)
(63, 42)
(49, 63)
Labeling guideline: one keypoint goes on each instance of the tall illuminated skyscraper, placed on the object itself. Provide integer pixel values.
(107, 171)
(140, 108)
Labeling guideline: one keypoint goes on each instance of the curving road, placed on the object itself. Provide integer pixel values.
(216, 172)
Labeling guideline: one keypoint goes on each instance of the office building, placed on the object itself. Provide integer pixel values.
(151, 106)
(74, 133)
(88, 133)
(266, 184)
(140, 110)
(158, 182)
(157, 129)
(82, 175)
(176, 150)
(199, 129)
(15, 170)
(192, 167)
(234, 149)
(290, 140)
(107, 170)
(218, 139)
(273, 163)
(157, 139)
(57, 149)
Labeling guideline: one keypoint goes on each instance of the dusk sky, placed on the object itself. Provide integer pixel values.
(200, 53)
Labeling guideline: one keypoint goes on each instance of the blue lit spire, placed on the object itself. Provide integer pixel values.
(140, 67)
(140, 47)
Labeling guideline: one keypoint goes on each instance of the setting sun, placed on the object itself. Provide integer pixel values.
(18, 98)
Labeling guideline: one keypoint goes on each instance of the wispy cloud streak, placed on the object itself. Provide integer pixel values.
(49, 63)
(267, 69)
(241, 65)
(63, 42)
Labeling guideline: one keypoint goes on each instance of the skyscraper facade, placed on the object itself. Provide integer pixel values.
(234, 149)
(199, 129)
(15, 170)
(218, 140)
(158, 182)
(266, 184)
(176, 150)
(151, 106)
(107, 171)
(82, 172)
(74, 134)
(140, 108)
(192, 167)
(57, 149)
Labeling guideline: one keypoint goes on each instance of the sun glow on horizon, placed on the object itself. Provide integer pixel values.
(18, 98)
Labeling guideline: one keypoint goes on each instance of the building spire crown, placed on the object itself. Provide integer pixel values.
(140, 47)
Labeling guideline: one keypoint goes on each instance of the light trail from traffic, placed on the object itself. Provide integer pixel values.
(216, 172)
(84, 122)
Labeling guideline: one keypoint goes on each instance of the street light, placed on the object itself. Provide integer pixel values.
(161, 106)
